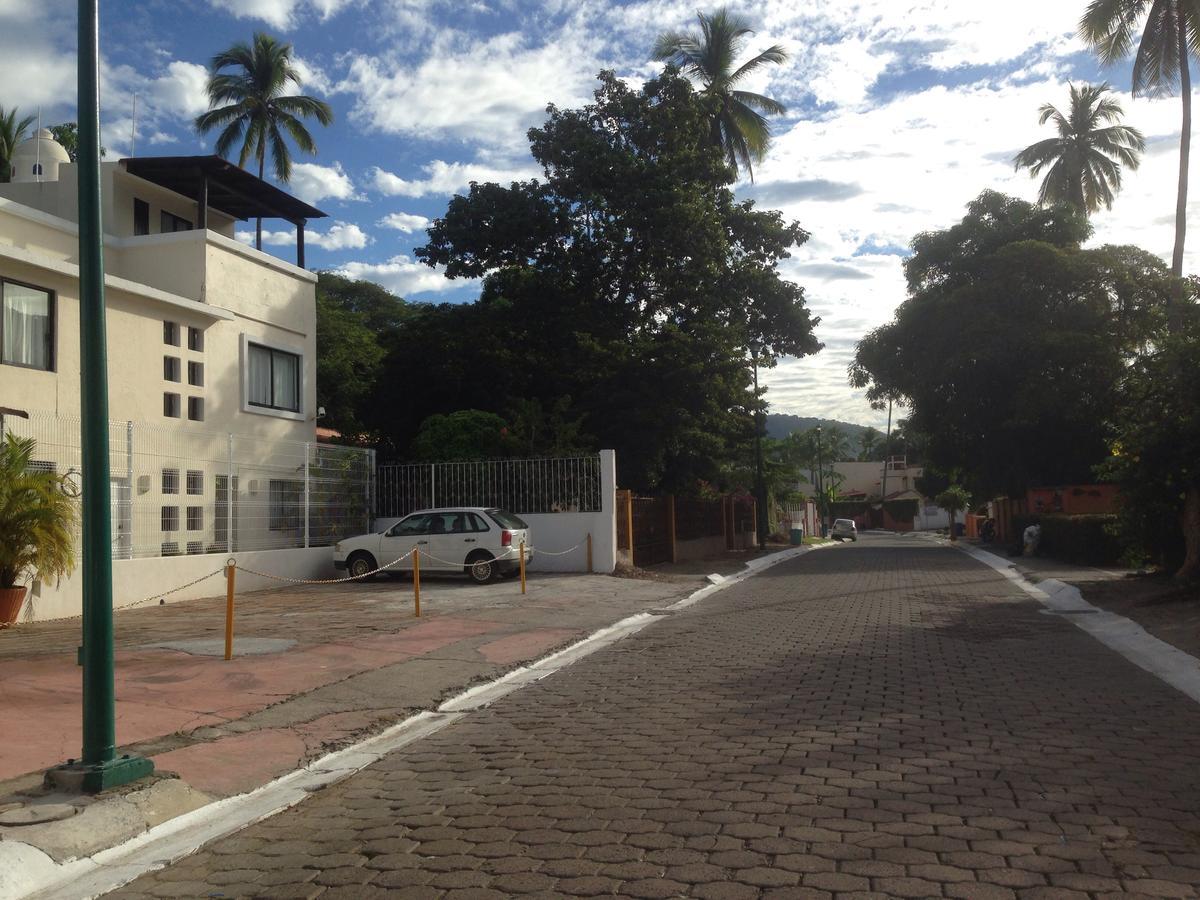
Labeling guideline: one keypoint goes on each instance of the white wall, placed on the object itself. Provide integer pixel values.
(135, 580)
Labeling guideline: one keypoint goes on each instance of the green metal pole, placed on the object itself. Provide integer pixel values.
(99, 768)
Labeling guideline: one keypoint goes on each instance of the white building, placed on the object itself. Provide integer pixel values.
(211, 357)
(894, 479)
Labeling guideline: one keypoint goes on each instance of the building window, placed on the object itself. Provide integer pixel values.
(37, 168)
(195, 518)
(27, 326)
(196, 374)
(195, 548)
(170, 548)
(171, 222)
(170, 518)
(285, 502)
(195, 482)
(273, 378)
(171, 334)
(141, 217)
(196, 409)
(171, 368)
(170, 481)
(171, 406)
(196, 339)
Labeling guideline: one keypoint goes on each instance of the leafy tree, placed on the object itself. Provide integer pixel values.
(12, 132)
(1156, 451)
(1011, 342)
(738, 124)
(638, 304)
(1083, 164)
(251, 105)
(867, 444)
(1167, 32)
(37, 517)
(953, 499)
(461, 435)
(351, 317)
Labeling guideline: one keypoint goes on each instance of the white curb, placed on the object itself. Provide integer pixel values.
(43, 879)
(1170, 664)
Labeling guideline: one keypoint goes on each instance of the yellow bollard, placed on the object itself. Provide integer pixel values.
(589, 552)
(522, 567)
(230, 569)
(416, 582)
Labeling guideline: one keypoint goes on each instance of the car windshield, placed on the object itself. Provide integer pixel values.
(506, 519)
(843, 523)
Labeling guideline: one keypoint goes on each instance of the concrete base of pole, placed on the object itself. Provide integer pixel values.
(93, 778)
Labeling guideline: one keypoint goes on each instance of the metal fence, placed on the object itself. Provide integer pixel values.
(565, 484)
(178, 491)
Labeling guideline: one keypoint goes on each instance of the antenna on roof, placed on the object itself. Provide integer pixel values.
(37, 167)
(133, 130)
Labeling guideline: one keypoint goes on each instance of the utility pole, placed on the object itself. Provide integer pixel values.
(100, 768)
(820, 485)
(760, 482)
(887, 455)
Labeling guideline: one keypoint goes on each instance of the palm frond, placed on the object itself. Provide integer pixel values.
(763, 104)
(773, 54)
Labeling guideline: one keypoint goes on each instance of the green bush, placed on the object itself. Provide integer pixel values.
(1083, 540)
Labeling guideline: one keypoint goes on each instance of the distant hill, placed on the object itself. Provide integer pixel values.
(780, 426)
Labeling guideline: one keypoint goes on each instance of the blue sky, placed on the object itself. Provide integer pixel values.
(899, 114)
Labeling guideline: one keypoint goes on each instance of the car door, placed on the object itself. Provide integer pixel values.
(411, 531)
(460, 537)
(446, 540)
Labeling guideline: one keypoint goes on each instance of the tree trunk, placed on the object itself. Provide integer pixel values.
(1175, 309)
(1189, 524)
(953, 538)
(258, 221)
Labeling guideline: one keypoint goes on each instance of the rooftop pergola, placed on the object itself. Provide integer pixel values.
(216, 182)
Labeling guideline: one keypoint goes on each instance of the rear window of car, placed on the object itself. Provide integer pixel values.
(843, 523)
(506, 519)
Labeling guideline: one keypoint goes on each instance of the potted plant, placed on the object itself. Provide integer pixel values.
(37, 524)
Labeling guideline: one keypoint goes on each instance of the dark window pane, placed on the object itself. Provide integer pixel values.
(171, 333)
(171, 368)
(196, 374)
(170, 518)
(170, 481)
(195, 482)
(171, 406)
(195, 518)
(141, 217)
(195, 339)
(26, 325)
(196, 409)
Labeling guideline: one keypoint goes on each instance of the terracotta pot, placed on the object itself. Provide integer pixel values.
(11, 601)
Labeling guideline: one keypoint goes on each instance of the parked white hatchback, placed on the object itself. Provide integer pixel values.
(844, 530)
(472, 540)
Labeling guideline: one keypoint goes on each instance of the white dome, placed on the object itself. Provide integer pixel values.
(38, 158)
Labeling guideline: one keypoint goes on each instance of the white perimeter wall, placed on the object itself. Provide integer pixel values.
(135, 580)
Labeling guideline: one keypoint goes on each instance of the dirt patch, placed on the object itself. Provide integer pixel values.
(1169, 612)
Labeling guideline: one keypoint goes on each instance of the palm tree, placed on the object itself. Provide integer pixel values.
(250, 106)
(1170, 33)
(739, 126)
(1085, 160)
(12, 132)
(868, 442)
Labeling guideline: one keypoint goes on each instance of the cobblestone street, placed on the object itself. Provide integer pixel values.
(889, 718)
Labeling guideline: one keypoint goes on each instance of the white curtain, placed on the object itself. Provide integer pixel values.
(287, 381)
(26, 326)
(259, 373)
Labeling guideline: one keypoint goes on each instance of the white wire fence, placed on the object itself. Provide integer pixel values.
(543, 485)
(177, 491)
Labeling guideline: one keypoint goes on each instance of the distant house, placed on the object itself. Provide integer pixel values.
(865, 482)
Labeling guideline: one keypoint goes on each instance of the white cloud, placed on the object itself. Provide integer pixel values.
(403, 275)
(313, 183)
(181, 89)
(282, 14)
(405, 222)
(446, 178)
(486, 90)
(313, 79)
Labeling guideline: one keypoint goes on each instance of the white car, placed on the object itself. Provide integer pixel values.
(471, 540)
(843, 530)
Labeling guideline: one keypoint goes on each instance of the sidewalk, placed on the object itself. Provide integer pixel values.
(313, 669)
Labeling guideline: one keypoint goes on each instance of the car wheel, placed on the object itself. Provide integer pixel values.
(361, 565)
(481, 567)
(855, 539)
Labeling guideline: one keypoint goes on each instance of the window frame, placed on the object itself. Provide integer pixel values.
(139, 206)
(52, 338)
(297, 415)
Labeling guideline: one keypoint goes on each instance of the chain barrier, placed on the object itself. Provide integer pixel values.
(383, 568)
(174, 590)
